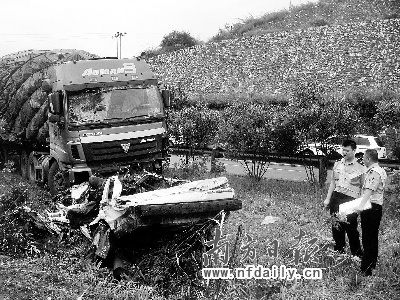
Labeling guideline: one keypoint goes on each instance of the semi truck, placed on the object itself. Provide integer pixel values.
(100, 115)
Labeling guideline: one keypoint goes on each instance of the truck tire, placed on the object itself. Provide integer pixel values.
(57, 180)
(32, 163)
(24, 164)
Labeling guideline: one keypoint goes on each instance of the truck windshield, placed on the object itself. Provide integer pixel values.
(113, 103)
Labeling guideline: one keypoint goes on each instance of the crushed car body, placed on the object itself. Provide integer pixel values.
(117, 222)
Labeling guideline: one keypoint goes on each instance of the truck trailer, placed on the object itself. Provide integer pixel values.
(95, 116)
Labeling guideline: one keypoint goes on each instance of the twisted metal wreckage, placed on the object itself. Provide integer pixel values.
(124, 217)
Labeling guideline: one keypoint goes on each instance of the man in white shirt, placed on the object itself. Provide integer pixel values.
(346, 186)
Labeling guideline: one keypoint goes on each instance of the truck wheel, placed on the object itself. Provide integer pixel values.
(57, 180)
(24, 164)
(32, 163)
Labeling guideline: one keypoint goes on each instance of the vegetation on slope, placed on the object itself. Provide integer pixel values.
(324, 12)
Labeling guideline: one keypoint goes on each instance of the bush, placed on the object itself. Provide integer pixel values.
(246, 133)
(150, 53)
(179, 98)
(318, 23)
(365, 105)
(392, 142)
(222, 101)
(247, 128)
(194, 170)
(222, 34)
(284, 136)
(388, 117)
(194, 127)
(177, 40)
(318, 115)
(388, 109)
(391, 16)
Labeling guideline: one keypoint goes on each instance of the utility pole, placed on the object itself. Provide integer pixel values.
(119, 35)
(116, 36)
(120, 44)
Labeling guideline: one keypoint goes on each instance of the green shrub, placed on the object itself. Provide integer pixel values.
(365, 104)
(306, 7)
(319, 22)
(388, 109)
(321, 13)
(392, 142)
(176, 40)
(246, 132)
(193, 170)
(317, 115)
(284, 136)
(389, 16)
(151, 53)
(195, 127)
(223, 34)
(180, 98)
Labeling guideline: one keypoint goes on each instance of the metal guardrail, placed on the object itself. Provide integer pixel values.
(308, 160)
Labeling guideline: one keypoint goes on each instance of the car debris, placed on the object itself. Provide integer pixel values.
(122, 216)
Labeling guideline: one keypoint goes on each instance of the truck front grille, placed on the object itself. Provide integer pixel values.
(123, 149)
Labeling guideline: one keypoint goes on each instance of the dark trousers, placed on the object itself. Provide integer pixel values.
(370, 221)
(340, 229)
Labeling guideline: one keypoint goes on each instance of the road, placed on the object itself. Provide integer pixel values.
(275, 170)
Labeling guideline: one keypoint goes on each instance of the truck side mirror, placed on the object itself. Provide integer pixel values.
(55, 103)
(166, 95)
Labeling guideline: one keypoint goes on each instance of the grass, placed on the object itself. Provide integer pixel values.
(299, 207)
(63, 272)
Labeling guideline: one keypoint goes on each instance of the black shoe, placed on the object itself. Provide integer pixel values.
(359, 254)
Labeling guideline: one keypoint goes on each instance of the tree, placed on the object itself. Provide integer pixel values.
(285, 138)
(388, 118)
(195, 126)
(246, 132)
(318, 115)
(177, 40)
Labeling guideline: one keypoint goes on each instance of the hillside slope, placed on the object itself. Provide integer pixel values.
(324, 12)
(358, 54)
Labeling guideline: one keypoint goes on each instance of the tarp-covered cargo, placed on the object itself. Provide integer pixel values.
(23, 105)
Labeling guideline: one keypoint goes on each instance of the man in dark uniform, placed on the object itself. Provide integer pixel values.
(372, 191)
(346, 186)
